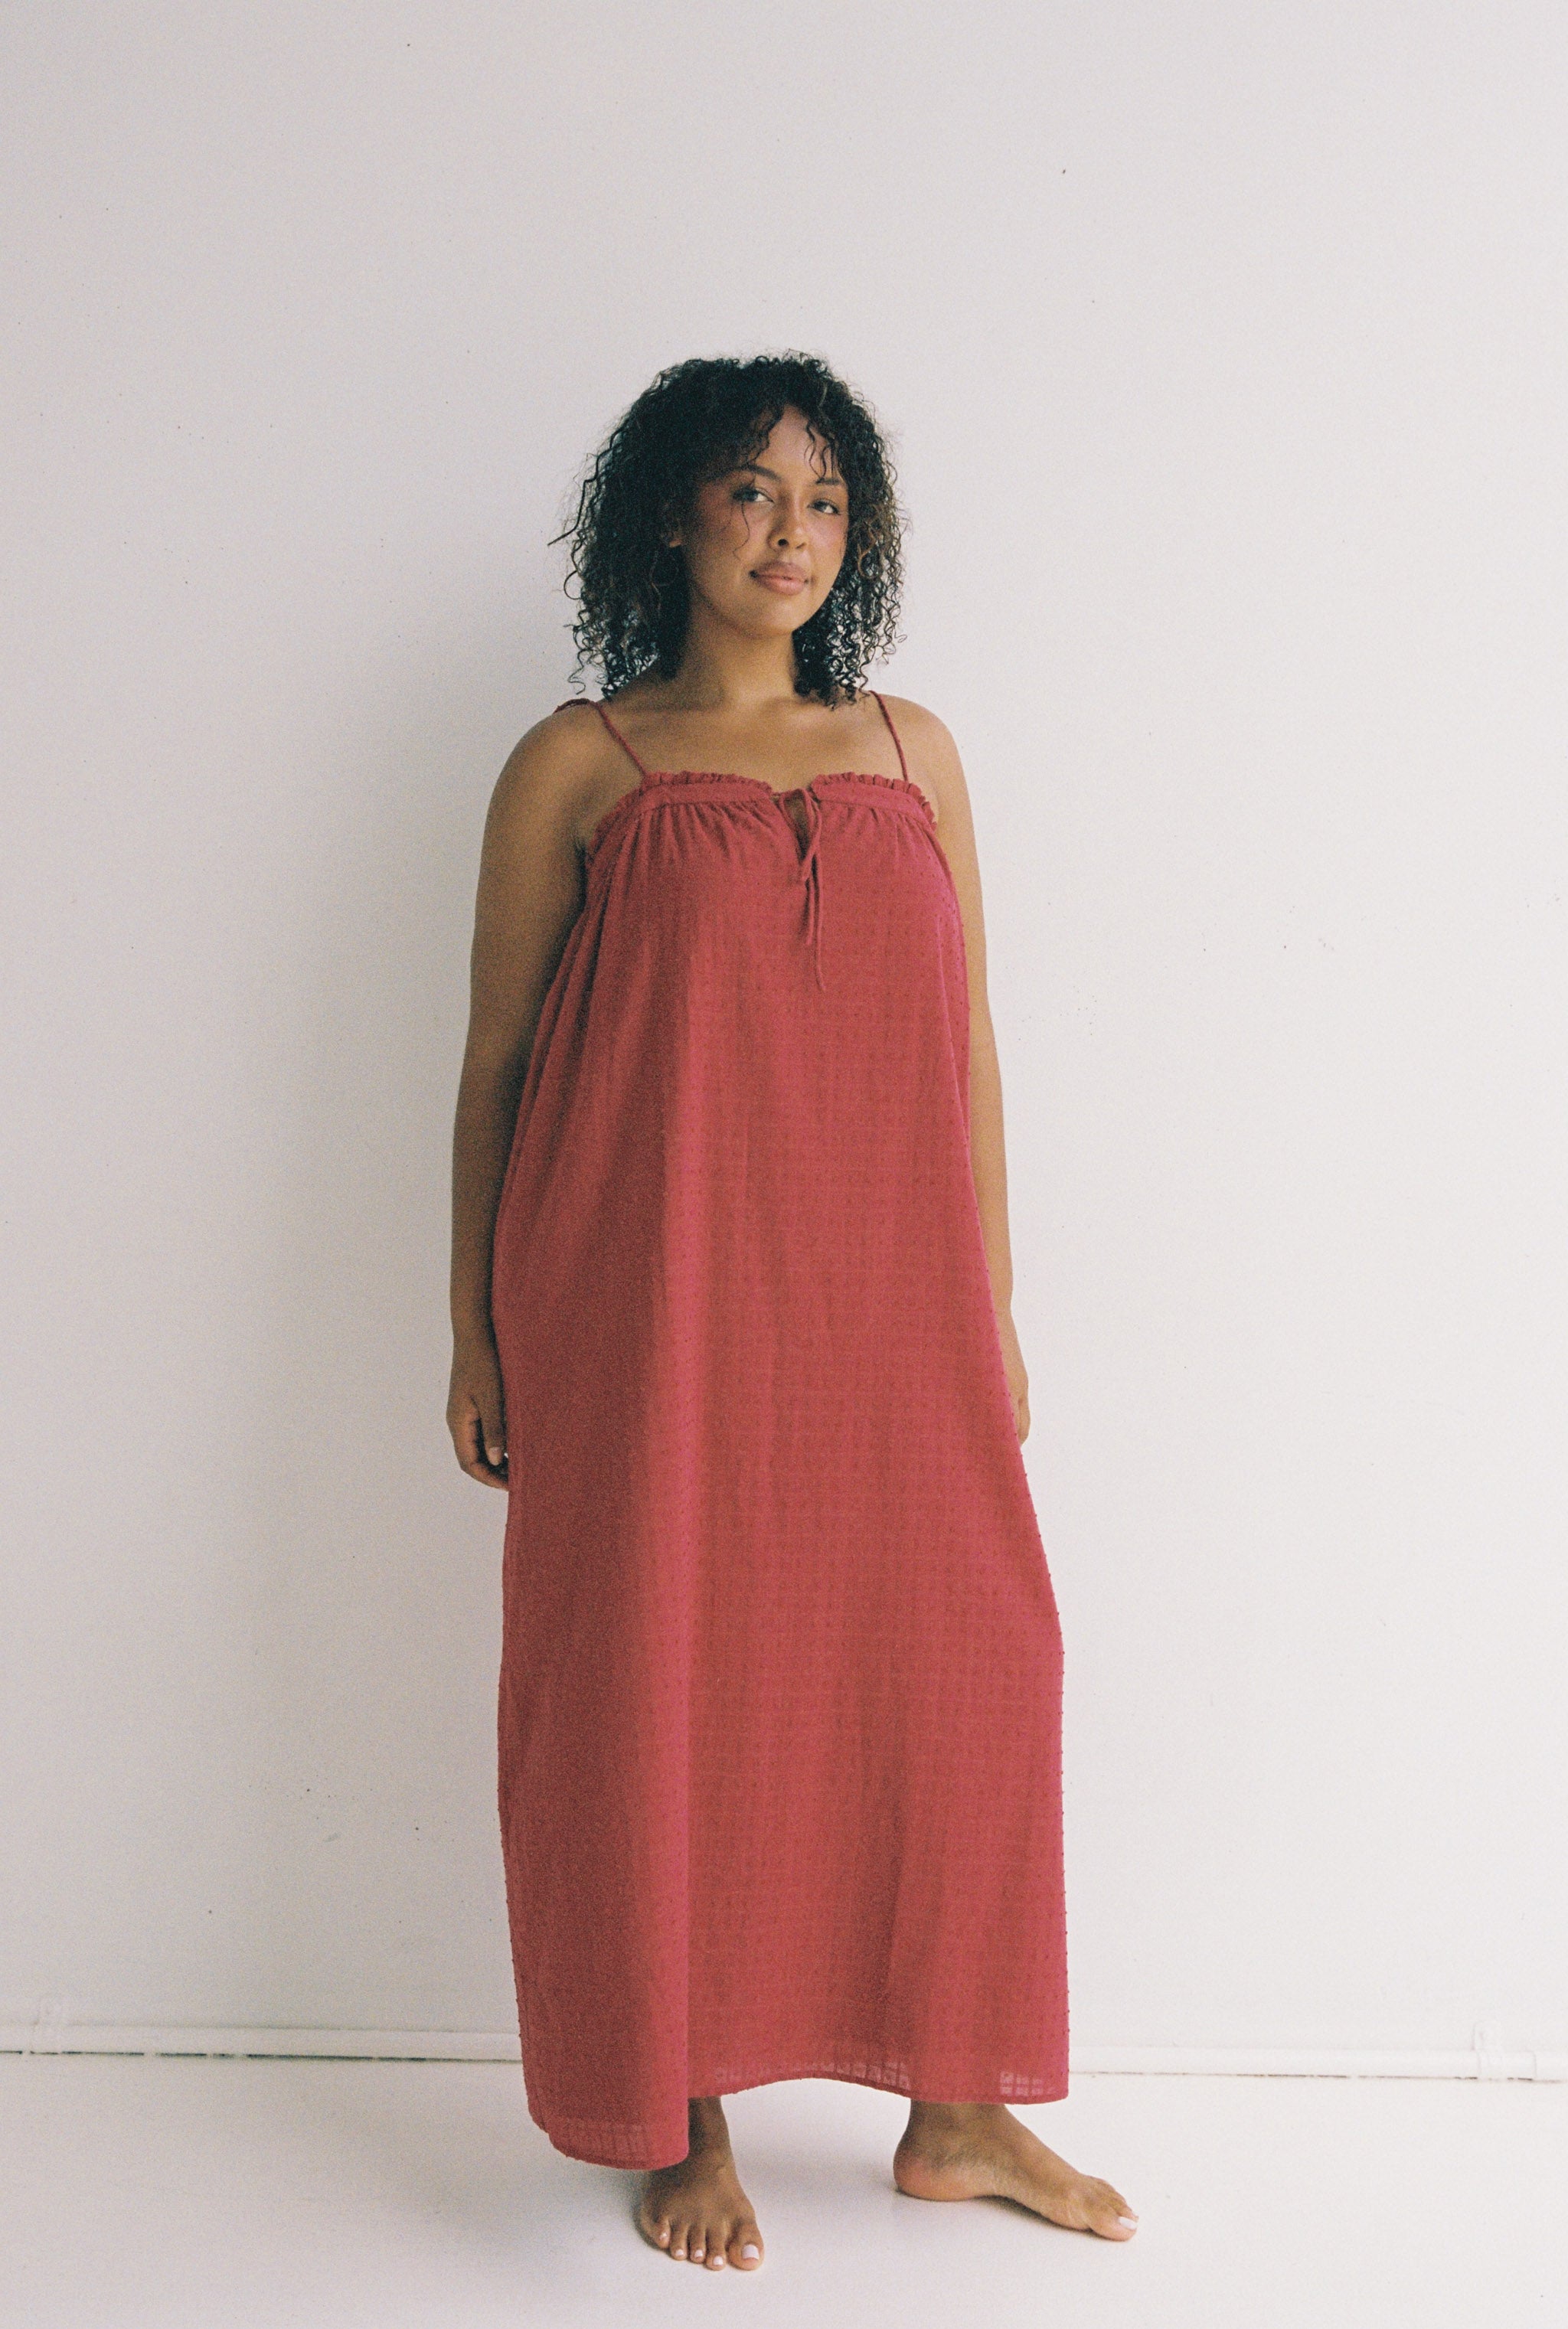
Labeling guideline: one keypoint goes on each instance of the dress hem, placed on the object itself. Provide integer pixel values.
(612, 2143)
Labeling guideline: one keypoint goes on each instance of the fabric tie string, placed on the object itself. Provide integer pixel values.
(811, 877)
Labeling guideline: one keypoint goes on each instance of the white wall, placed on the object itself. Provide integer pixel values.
(1223, 349)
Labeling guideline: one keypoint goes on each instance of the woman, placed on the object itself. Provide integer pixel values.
(779, 1707)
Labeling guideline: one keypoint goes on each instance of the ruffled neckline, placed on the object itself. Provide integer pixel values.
(652, 779)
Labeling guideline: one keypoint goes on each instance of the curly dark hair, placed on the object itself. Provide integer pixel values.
(696, 420)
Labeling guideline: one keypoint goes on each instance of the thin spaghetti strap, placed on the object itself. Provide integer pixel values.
(615, 732)
(620, 740)
(892, 731)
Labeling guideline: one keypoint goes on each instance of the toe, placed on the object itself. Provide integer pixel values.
(745, 2247)
(1108, 2212)
(678, 2234)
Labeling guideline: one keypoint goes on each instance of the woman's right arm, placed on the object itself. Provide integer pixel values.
(530, 893)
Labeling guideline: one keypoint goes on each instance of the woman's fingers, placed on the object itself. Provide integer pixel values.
(492, 1414)
(485, 1445)
(477, 1419)
(484, 1440)
(468, 1440)
(494, 1434)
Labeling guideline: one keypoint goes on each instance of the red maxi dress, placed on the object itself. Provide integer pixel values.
(780, 1717)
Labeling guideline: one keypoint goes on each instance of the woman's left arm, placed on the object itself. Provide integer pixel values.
(936, 764)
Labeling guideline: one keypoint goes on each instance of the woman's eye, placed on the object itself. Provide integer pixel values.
(744, 492)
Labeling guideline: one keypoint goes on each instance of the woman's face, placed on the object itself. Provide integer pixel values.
(764, 542)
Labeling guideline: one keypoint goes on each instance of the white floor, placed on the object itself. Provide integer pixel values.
(229, 2195)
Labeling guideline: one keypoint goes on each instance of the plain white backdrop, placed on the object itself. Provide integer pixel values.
(1222, 348)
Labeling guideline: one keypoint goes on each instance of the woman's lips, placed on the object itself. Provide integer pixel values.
(778, 579)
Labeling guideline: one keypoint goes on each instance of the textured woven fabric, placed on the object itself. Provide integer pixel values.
(780, 1681)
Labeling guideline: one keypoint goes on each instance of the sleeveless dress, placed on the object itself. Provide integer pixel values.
(780, 1718)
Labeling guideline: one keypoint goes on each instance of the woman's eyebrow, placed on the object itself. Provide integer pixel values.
(756, 468)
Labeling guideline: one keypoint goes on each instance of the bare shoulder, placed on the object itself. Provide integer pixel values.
(554, 758)
(551, 776)
(932, 756)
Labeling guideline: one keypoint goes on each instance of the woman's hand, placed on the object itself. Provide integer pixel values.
(1018, 1374)
(475, 1410)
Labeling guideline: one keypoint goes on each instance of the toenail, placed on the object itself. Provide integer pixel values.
(1127, 2219)
(751, 2248)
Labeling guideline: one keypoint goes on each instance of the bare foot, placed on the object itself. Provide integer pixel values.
(972, 2151)
(696, 2209)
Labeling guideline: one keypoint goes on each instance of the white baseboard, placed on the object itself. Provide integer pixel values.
(50, 2034)
(1312, 2062)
